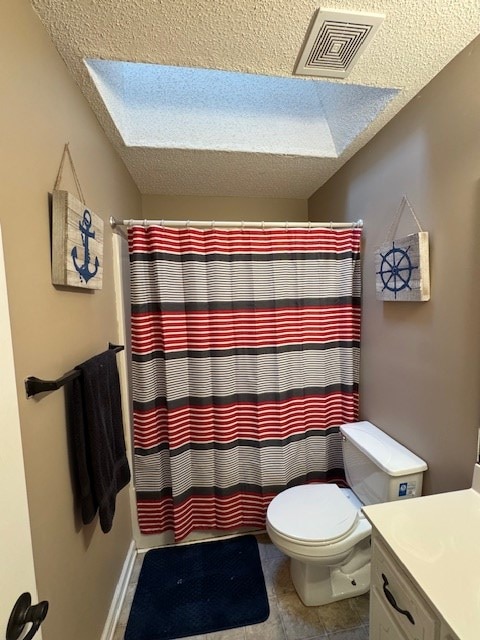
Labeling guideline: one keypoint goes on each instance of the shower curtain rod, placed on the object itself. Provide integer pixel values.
(227, 223)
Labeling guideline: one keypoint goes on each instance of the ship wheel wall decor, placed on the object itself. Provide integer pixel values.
(402, 269)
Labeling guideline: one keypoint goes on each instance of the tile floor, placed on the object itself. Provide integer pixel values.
(289, 619)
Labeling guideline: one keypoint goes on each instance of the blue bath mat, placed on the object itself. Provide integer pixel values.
(194, 589)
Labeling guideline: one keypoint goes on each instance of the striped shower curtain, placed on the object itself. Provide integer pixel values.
(245, 347)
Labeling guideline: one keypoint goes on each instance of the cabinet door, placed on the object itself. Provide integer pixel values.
(382, 624)
(407, 607)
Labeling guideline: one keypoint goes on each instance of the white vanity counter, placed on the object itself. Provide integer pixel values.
(436, 539)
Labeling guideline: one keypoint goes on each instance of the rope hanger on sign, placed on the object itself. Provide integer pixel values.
(405, 202)
(66, 154)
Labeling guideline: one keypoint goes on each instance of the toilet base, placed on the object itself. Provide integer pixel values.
(318, 584)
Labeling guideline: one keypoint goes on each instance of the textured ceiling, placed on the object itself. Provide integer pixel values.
(264, 37)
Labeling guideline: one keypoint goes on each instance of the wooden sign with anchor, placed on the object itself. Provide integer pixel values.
(77, 238)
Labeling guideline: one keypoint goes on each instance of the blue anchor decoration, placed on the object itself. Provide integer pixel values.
(83, 269)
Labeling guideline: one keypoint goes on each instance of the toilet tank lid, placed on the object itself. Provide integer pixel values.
(388, 454)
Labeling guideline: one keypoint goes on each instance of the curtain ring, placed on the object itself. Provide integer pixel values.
(211, 224)
(187, 224)
(243, 225)
(309, 225)
(263, 225)
(331, 225)
(145, 222)
(286, 225)
(162, 223)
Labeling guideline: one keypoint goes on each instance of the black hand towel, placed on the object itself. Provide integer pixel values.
(98, 439)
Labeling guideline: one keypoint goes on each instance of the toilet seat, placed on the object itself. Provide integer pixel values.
(315, 514)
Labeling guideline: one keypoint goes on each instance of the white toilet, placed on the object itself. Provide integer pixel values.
(321, 527)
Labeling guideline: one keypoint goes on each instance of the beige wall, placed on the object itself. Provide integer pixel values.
(228, 208)
(420, 362)
(77, 567)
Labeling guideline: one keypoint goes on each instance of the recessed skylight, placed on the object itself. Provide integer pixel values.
(184, 108)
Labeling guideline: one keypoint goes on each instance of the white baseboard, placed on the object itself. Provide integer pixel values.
(119, 595)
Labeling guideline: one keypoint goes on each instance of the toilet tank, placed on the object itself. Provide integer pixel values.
(377, 467)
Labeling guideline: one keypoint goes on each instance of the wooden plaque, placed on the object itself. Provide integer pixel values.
(402, 269)
(77, 243)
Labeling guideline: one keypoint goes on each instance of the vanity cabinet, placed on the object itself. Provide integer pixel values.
(398, 611)
(425, 559)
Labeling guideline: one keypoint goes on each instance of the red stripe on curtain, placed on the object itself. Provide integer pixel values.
(175, 331)
(206, 513)
(242, 421)
(244, 241)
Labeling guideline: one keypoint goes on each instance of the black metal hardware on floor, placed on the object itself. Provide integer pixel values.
(35, 385)
(24, 613)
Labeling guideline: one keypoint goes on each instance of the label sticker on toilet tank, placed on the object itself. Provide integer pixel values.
(407, 489)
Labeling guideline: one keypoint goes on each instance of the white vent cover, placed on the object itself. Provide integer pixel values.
(336, 40)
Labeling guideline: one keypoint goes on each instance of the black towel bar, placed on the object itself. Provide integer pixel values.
(35, 385)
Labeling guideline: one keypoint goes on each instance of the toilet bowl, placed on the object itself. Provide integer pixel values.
(321, 527)
(329, 549)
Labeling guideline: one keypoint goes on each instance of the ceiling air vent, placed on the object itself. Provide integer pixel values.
(335, 42)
